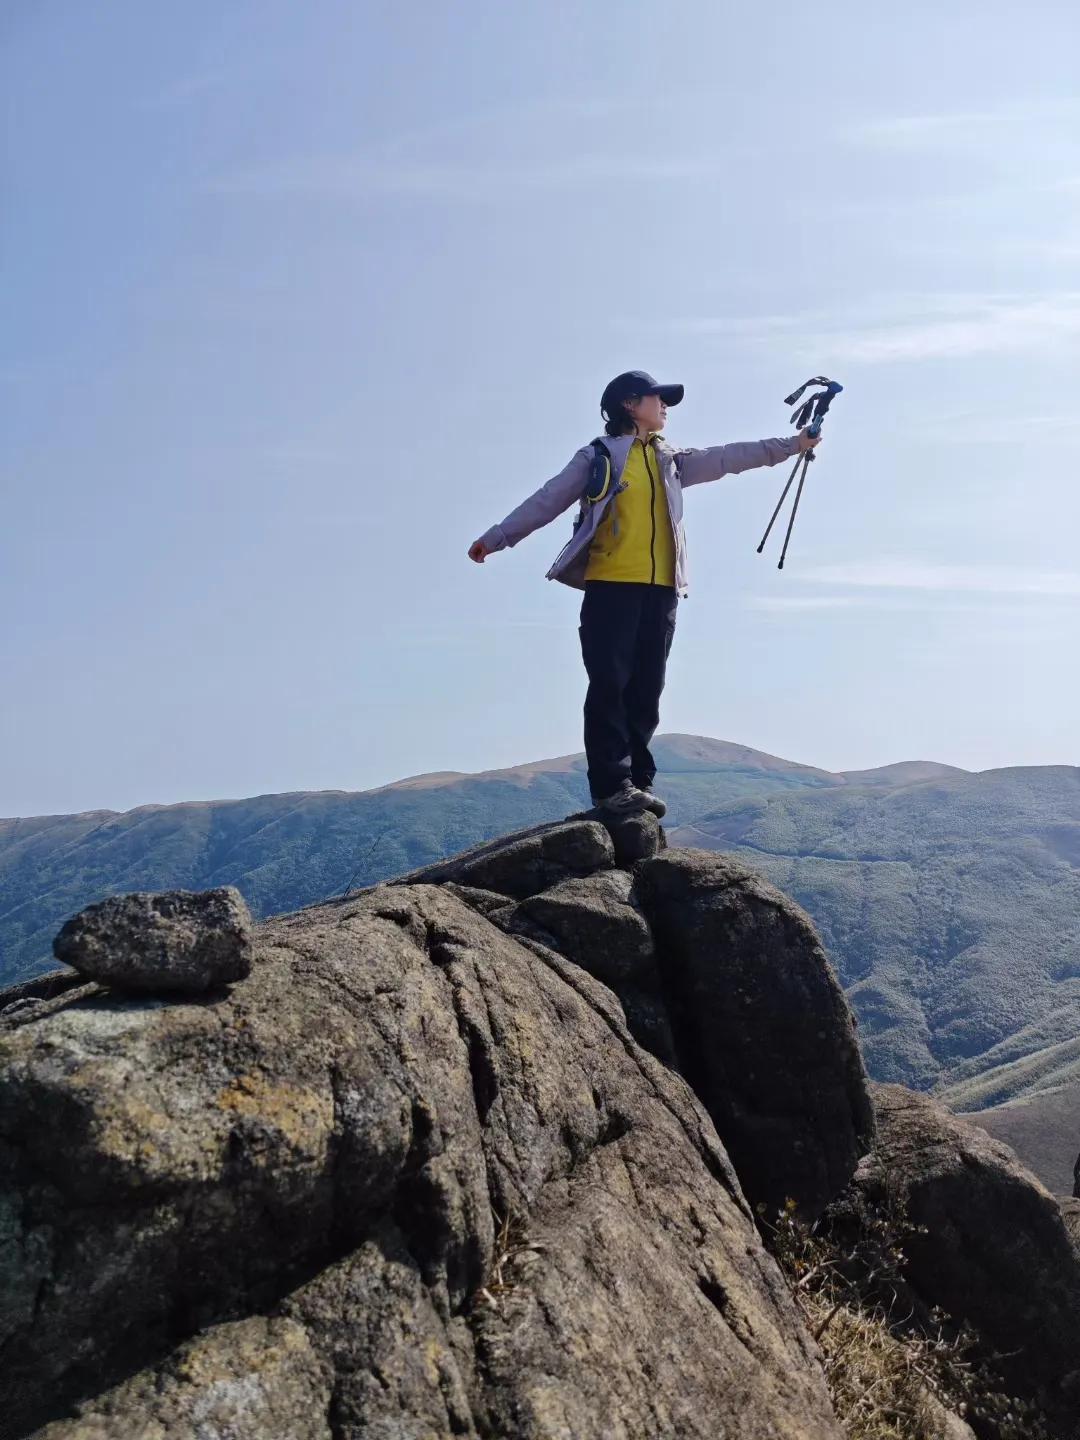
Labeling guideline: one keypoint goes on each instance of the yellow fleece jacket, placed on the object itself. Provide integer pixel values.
(644, 548)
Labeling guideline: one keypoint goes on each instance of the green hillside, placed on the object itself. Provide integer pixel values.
(283, 851)
(951, 908)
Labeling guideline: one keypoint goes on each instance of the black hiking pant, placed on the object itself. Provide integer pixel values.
(626, 632)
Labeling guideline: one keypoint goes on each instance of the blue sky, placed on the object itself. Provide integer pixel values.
(298, 299)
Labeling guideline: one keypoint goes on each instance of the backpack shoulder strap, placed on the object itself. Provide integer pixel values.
(599, 482)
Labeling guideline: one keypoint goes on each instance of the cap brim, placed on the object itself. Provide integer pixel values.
(669, 394)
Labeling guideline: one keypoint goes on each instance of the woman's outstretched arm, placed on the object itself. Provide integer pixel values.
(540, 508)
(697, 466)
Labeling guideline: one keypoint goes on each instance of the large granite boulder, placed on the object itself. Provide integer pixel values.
(411, 1176)
(595, 921)
(177, 940)
(761, 1026)
(988, 1242)
(523, 863)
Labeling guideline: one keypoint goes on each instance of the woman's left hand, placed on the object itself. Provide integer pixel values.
(807, 441)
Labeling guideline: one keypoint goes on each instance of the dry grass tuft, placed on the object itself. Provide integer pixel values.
(892, 1373)
(511, 1255)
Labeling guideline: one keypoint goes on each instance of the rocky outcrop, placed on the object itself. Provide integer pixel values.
(987, 1243)
(156, 944)
(525, 863)
(412, 1175)
(484, 1151)
(596, 921)
(719, 975)
(761, 1026)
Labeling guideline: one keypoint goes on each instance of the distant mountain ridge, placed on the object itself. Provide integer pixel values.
(287, 850)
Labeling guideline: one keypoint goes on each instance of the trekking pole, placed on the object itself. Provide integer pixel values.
(813, 409)
(794, 509)
(779, 503)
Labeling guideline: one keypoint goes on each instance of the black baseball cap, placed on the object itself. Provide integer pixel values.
(636, 382)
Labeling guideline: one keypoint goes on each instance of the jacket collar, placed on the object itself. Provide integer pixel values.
(656, 436)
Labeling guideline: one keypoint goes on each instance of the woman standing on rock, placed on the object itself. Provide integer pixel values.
(628, 554)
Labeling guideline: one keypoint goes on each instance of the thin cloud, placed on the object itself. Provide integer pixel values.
(498, 119)
(1068, 252)
(919, 131)
(920, 575)
(469, 626)
(972, 425)
(996, 248)
(992, 327)
(947, 326)
(859, 604)
(185, 89)
(362, 178)
(964, 128)
(994, 608)
(302, 455)
(548, 144)
(786, 603)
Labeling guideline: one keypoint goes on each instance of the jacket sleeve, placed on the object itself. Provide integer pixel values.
(697, 466)
(544, 505)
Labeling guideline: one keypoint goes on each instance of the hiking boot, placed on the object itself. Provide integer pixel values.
(653, 801)
(627, 800)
